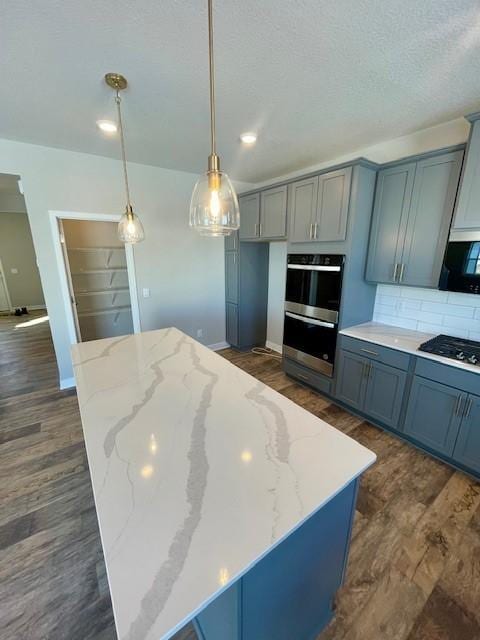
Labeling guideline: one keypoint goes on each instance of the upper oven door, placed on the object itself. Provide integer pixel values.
(314, 290)
(461, 268)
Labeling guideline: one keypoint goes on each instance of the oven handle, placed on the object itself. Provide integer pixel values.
(313, 267)
(319, 323)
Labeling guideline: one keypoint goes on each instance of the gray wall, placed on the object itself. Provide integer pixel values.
(17, 252)
(185, 272)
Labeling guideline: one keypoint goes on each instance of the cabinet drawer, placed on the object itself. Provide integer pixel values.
(452, 376)
(376, 352)
(307, 376)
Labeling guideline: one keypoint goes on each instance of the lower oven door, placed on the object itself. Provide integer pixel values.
(310, 341)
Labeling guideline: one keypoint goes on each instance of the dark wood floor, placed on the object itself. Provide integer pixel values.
(414, 570)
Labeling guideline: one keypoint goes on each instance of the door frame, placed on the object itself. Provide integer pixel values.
(55, 216)
(5, 285)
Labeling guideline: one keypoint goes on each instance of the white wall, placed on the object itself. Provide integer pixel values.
(444, 135)
(276, 294)
(184, 271)
(455, 314)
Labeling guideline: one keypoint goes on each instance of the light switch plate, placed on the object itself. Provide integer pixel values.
(146, 292)
(14, 270)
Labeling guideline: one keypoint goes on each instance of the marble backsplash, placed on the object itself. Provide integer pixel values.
(428, 310)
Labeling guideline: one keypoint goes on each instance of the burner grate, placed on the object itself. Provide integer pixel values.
(455, 348)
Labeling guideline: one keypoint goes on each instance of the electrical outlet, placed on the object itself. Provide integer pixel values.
(146, 292)
(199, 333)
(14, 270)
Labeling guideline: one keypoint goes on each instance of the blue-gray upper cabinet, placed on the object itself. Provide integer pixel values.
(433, 199)
(467, 447)
(273, 213)
(302, 207)
(318, 207)
(249, 216)
(413, 208)
(231, 242)
(393, 196)
(332, 205)
(467, 214)
(434, 414)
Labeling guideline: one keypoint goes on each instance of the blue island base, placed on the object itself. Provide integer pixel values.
(289, 594)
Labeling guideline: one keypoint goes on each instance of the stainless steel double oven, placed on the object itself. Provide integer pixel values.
(312, 306)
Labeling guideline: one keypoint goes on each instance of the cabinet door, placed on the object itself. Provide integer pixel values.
(467, 215)
(232, 324)
(302, 206)
(433, 198)
(390, 214)
(273, 213)
(332, 205)
(231, 276)
(231, 242)
(384, 395)
(249, 216)
(433, 414)
(467, 447)
(351, 379)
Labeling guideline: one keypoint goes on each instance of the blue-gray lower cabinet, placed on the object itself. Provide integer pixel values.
(467, 447)
(351, 379)
(288, 594)
(384, 393)
(434, 414)
(371, 387)
(231, 323)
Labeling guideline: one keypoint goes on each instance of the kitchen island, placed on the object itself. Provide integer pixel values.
(218, 499)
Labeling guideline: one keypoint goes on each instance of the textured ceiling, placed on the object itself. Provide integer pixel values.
(315, 78)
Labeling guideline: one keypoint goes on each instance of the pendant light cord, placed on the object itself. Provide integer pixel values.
(212, 76)
(122, 144)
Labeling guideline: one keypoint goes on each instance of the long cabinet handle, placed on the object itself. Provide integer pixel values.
(372, 353)
(458, 404)
(311, 230)
(260, 229)
(402, 271)
(315, 228)
(395, 271)
(468, 407)
(319, 323)
(367, 369)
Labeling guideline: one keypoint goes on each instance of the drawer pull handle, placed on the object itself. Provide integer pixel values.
(303, 377)
(372, 353)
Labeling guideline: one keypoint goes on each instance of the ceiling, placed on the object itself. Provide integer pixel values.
(315, 78)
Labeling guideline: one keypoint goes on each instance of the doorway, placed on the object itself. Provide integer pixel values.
(100, 290)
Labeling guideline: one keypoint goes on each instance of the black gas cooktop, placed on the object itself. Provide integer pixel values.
(455, 348)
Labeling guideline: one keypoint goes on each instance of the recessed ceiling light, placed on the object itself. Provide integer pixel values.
(248, 138)
(107, 126)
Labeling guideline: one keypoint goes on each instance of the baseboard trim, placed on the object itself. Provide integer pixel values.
(274, 346)
(67, 383)
(218, 345)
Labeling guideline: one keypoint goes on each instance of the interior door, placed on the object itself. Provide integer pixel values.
(68, 273)
(4, 297)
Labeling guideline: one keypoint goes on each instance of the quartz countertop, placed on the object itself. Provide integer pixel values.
(406, 340)
(198, 471)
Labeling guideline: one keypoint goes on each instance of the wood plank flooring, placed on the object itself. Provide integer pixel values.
(414, 570)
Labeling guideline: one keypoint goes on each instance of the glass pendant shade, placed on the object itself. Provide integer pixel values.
(214, 206)
(130, 229)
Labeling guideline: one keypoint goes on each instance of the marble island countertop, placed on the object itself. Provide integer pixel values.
(198, 471)
(406, 340)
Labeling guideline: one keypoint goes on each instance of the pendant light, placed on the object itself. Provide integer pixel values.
(214, 205)
(130, 229)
